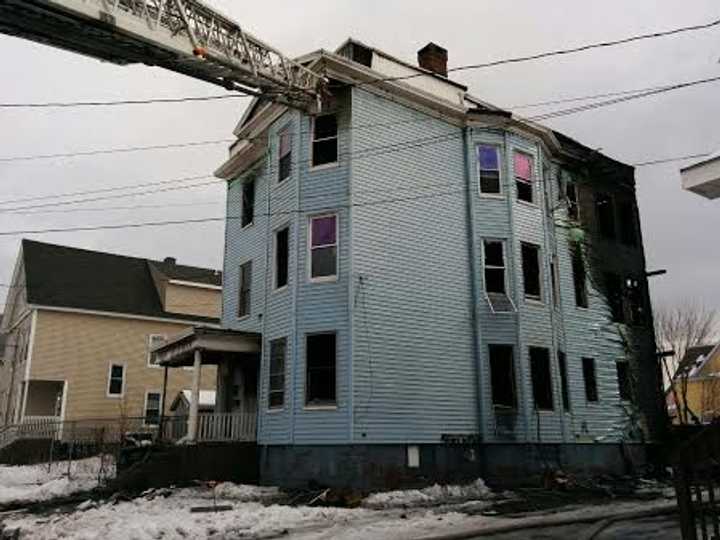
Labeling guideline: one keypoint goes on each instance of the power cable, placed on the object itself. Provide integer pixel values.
(151, 101)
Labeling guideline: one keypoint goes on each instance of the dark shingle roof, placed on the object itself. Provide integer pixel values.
(61, 276)
(691, 356)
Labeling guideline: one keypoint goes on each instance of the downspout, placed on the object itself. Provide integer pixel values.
(472, 262)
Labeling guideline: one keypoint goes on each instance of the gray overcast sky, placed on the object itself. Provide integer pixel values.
(675, 223)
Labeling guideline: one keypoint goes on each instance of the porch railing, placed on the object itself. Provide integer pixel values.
(214, 427)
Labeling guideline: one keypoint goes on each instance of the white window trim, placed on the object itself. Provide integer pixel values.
(149, 349)
(271, 409)
(503, 243)
(121, 395)
(533, 179)
(250, 178)
(323, 279)
(321, 406)
(332, 164)
(160, 405)
(501, 193)
(285, 130)
(275, 287)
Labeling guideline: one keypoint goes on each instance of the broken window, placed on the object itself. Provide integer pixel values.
(116, 380)
(614, 292)
(623, 376)
(248, 202)
(564, 388)
(524, 177)
(635, 301)
(282, 250)
(489, 168)
(579, 278)
(591, 390)
(502, 376)
(531, 271)
(152, 408)
(605, 211)
(571, 196)
(284, 154)
(628, 223)
(320, 369)
(323, 247)
(541, 378)
(494, 266)
(244, 282)
(276, 386)
(325, 140)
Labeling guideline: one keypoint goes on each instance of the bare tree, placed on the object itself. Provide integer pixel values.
(679, 329)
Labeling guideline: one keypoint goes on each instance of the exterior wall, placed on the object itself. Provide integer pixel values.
(79, 348)
(187, 300)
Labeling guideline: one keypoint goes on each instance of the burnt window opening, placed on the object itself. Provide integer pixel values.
(614, 291)
(362, 55)
(284, 154)
(320, 368)
(502, 376)
(524, 177)
(489, 169)
(276, 383)
(531, 271)
(564, 387)
(628, 223)
(282, 251)
(494, 266)
(579, 277)
(605, 210)
(325, 140)
(571, 198)
(635, 305)
(623, 377)
(591, 390)
(244, 283)
(541, 378)
(248, 202)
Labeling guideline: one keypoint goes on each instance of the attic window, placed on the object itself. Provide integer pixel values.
(489, 169)
(362, 55)
(524, 177)
(325, 140)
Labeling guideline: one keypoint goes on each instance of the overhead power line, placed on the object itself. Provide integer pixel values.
(671, 159)
(151, 101)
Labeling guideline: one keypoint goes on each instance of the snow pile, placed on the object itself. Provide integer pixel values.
(429, 496)
(246, 493)
(42, 482)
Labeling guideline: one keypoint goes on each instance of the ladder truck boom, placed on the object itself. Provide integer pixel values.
(185, 36)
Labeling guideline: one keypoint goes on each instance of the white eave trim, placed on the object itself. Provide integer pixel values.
(124, 315)
(195, 284)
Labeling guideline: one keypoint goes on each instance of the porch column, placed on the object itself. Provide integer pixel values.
(195, 398)
(161, 427)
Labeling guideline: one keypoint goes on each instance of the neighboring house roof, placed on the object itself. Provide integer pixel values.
(61, 276)
(206, 400)
(694, 359)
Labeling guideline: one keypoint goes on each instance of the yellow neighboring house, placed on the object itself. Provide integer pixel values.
(80, 324)
(697, 383)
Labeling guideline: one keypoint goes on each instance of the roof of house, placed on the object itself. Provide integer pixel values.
(61, 276)
(692, 357)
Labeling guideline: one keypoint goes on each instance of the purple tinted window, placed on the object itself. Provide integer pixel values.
(323, 231)
(488, 156)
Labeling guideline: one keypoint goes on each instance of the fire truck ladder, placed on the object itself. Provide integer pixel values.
(185, 36)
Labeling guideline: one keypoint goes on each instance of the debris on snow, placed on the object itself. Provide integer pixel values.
(433, 495)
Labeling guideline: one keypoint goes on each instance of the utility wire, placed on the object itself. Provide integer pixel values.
(670, 159)
(74, 104)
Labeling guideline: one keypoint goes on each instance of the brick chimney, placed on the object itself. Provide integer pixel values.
(434, 58)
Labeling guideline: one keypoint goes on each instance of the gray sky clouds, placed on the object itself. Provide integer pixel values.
(679, 228)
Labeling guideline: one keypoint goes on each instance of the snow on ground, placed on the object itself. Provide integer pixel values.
(42, 482)
(432, 495)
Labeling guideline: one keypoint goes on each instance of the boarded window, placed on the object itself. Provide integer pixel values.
(564, 387)
(605, 211)
(116, 380)
(152, 409)
(541, 378)
(282, 251)
(623, 377)
(502, 375)
(524, 177)
(323, 247)
(591, 390)
(244, 283)
(579, 278)
(284, 154)
(325, 140)
(628, 223)
(531, 271)
(320, 369)
(494, 266)
(489, 167)
(248, 203)
(614, 296)
(276, 386)
(571, 196)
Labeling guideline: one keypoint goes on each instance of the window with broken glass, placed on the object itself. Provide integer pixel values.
(284, 154)
(524, 177)
(564, 386)
(248, 203)
(579, 277)
(494, 271)
(320, 358)
(502, 376)
(541, 378)
(325, 140)
(531, 271)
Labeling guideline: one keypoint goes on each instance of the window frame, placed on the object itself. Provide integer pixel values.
(145, 408)
(628, 398)
(531, 182)
(321, 405)
(331, 164)
(285, 131)
(271, 374)
(241, 275)
(532, 298)
(276, 287)
(501, 192)
(149, 349)
(577, 262)
(572, 203)
(564, 381)
(123, 384)
(504, 267)
(323, 279)
(249, 180)
(592, 393)
(545, 357)
(513, 377)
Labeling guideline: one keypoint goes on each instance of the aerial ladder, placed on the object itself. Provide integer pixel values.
(185, 36)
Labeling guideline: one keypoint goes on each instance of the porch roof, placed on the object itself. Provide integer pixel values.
(215, 345)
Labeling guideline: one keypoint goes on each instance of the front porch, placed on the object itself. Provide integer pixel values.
(237, 357)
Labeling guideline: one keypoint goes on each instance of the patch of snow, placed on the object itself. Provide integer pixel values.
(246, 493)
(432, 495)
(42, 482)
